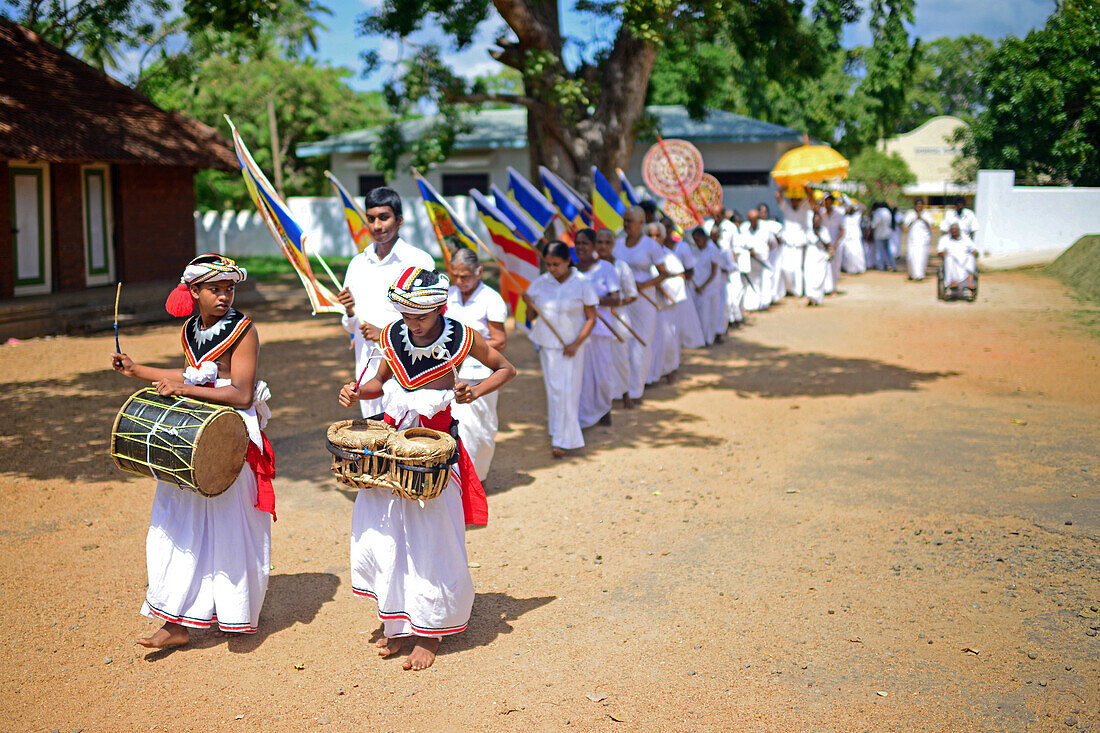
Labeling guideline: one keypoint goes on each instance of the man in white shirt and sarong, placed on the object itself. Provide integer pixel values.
(369, 276)
(918, 240)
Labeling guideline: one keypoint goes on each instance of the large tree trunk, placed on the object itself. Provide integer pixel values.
(568, 140)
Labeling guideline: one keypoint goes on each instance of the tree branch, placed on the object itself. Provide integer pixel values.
(516, 99)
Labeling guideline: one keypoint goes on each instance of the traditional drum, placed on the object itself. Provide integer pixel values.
(422, 460)
(358, 448)
(195, 445)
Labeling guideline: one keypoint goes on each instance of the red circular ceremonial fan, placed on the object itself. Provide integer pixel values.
(680, 213)
(673, 167)
(706, 195)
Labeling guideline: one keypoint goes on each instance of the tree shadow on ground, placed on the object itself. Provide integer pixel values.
(492, 616)
(752, 369)
(61, 428)
(291, 599)
(523, 444)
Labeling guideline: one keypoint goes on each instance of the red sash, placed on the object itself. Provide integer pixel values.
(263, 464)
(475, 507)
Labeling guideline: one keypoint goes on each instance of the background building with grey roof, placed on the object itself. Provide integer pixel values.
(739, 151)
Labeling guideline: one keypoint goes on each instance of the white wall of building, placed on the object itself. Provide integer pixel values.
(243, 233)
(1027, 225)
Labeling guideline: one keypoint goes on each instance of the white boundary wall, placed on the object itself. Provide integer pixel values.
(1030, 225)
(243, 233)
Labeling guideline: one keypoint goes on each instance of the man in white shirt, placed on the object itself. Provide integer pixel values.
(964, 217)
(759, 239)
(370, 274)
(882, 226)
(918, 227)
(833, 219)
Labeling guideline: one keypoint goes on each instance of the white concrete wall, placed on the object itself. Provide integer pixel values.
(240, 234)
(1027, 225)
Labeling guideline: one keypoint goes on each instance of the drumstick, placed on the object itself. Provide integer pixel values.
(118, 292)
(363, 373)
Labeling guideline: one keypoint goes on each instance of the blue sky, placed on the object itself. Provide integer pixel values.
(340, 45)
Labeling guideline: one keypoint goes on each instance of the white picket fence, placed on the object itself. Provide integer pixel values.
(243, 234)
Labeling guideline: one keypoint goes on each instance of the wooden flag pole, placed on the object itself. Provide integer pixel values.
(627, 327)
(609, 328)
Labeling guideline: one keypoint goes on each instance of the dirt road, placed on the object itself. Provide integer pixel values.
(883, 514)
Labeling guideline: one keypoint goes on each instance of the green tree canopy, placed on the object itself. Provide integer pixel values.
(947, 80)
(590, 113)
(1043, 114)
(881, 176)
(310, 101)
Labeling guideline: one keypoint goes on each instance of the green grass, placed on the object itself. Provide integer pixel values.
(1079, 267)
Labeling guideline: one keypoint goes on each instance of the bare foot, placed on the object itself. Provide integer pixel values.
(628, 404)
(606, 420)
(670, 377)
(387, 646)
(423, 654)
(557, 453)
(168, 635)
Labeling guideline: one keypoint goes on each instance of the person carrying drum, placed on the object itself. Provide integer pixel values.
(408, 556)
(209, 557)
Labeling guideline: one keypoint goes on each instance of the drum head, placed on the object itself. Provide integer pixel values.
(359, 434)
(423, 445)
(220, 450)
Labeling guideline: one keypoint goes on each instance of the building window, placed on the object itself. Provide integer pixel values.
(741, 178)
(459, 184)
(370, 182)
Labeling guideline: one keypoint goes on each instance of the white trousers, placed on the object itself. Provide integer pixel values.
(917, 259)
(816, 274)
(563, 376)
(791, 270)
(208, 558)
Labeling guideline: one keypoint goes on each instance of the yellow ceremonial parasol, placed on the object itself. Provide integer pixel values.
(808, 163)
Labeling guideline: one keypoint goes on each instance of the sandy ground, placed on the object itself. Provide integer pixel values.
(883, 514)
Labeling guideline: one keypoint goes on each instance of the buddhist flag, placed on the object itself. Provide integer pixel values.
(514, 215)
(356, 218)
(449, 229)
(569, 203)
(283, 228)
(607, 207)
(629, 195)
(519, 262)
(530, 199)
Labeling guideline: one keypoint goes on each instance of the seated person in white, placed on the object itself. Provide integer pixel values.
(960, 258)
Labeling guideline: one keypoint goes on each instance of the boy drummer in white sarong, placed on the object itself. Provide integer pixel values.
(409, 558)
(209, 558)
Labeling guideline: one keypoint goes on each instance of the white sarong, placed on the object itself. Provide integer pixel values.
(563, 376)
(598, 382)
(410, 559)
(209, 557)
(477, 428)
